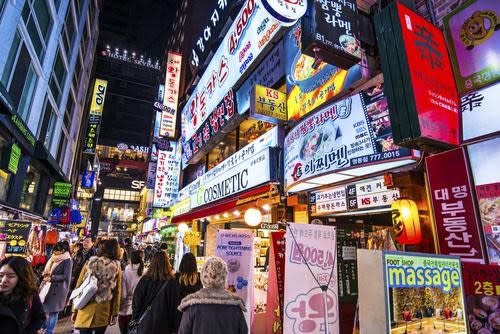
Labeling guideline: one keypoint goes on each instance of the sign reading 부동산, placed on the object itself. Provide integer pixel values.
(236, 248)
(303, 307)
(417, 282)
(352, 132)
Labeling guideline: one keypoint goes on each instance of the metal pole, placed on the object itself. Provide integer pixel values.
(325, 306)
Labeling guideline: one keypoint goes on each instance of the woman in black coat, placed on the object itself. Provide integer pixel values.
(21, 311)
(186, 282)
(149, 292)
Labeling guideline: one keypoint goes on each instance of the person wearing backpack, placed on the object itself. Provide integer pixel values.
(21, 311)
(150, 302)
(103, 308)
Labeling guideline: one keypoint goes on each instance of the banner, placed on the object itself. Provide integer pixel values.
(95, 115)
(236, 248)
(304, 307)
(168, 167)
(453, 206)
(172, 82)
(423, 292)
(276, 284)
(482, 296)
(15, 234)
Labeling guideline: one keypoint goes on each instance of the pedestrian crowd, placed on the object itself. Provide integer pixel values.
(102, 284)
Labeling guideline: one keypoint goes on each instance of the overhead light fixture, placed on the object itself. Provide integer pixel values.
(253, 217)
(225, 215)
(266, 207)
(217, 217)
(183, 227)
(236, 213)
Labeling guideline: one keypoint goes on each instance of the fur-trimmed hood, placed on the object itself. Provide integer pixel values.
(106, 272)
(212, 296)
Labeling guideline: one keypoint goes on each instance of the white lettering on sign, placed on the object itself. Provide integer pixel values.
(136, 184)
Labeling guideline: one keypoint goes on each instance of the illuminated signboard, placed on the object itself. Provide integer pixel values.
(419, 81)
(95, 114)
(10, 158)
(268, 104)
(171, 99)
(473, 36)
(167, 176)
(62, 189)
(248, 36)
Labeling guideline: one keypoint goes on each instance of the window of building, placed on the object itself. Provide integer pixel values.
(69, 31)
(37, 18)
(11, 59)
(57, 78)
(61, 149)
(122, 195)
(5, 177)
(2, 5)
(224, 149)
(50, 119)
(252, 129)
(68, 114)
(30, 188)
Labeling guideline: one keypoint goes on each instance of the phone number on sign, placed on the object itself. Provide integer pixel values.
(378, 157)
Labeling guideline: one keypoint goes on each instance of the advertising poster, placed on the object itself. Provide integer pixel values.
(304, 310)
(352, 132)
(168, 168)
(424, 294)
(473, 36)
(457, 226)
(236, 248)
(482, 297)
(15, 234)
(310, 86)
(479, 111)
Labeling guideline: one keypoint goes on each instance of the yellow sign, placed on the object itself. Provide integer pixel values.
(192, 238)
(180, 208)
(98, 96)
(268, 104)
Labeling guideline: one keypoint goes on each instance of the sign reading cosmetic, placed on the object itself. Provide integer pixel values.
(268, 105)
(304, 309)
(311, 86)
(95, 114)
(250, 33)
(453, 206)
(330, 32)
(236, 249)
(251, 172)
(171, 99)
(214, 125)
(473, 36)
(433, 280)
(480, 112)
(421, 90)
(268, 73)
(167, 176)
(353, 132)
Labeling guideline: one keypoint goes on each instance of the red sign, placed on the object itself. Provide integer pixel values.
(453, 206)
(276, 284)
(482, 295)
(435, 94)
(488, 197)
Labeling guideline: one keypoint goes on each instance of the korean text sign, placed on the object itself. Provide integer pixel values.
(457, 226)
(171, 99)
(167, 176)
(268, 104)
(482, 296)
(15, 234)
(304, 309)
(474, 43)
(236, 248)
(421, 280)
(434, 92)
(350, 133)
(95, 114)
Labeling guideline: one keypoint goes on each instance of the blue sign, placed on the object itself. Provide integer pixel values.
(88, 179)
(267, 74)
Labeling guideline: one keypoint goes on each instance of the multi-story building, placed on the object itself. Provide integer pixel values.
(46, 58)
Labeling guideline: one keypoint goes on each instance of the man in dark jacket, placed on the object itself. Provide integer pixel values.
(80, 258)
(213, 309)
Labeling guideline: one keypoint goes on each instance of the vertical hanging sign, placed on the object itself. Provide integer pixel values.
(171, 99)
(95, 115)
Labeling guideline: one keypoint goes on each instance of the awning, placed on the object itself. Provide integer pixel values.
(219, 206)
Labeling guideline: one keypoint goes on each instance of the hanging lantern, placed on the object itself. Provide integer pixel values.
(406, 222)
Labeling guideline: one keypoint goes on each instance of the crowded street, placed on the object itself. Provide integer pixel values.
(249, 166)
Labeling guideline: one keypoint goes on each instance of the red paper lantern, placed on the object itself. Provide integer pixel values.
(406, 222)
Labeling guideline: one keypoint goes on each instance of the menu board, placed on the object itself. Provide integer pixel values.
(15, 233)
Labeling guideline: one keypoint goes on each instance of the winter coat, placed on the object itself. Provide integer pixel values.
(177, 292)
(212, 310)
(21, 318)
(106, 302)
(79, 261)
(56, 298)
(160, 321)
(129, 283)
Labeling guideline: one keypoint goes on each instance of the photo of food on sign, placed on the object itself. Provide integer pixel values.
(321, 142)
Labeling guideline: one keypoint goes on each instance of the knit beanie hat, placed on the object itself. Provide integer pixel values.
(213, 273)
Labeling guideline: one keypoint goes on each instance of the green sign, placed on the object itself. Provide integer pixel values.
(23, 129)
(15, 155)
(62, 189)
(58, 202)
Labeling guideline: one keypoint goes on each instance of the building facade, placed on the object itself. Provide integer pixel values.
(46, 60)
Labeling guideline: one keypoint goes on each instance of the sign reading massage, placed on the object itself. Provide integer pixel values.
(248, 36)
(251, 172)
(352, 132)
